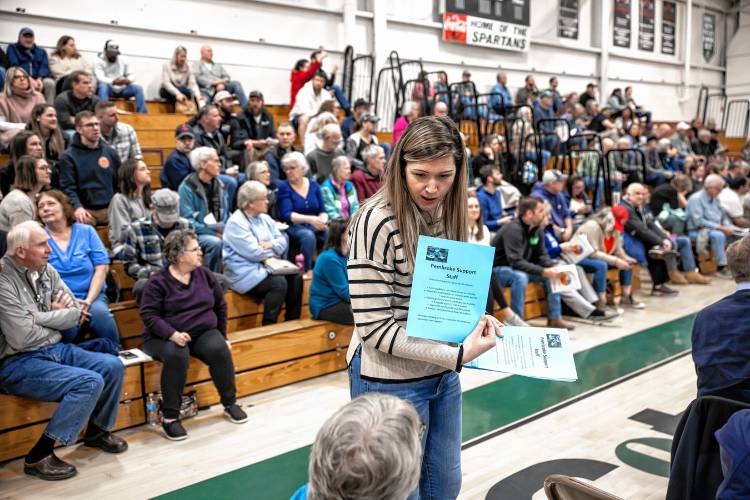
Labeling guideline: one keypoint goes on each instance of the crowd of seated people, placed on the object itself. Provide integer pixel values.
(238, 196)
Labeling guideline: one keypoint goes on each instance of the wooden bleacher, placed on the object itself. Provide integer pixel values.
(264, 357)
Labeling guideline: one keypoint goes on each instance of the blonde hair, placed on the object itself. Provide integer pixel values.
(426, 139)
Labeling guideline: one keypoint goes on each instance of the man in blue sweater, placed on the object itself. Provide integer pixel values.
(88, 171)
(33, 59)
(721, 335)
(490, 197)
(177, 166)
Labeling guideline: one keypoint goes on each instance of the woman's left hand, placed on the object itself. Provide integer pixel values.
(85, 307)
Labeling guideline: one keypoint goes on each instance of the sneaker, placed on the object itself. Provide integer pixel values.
(631, 302)
(724, 274)
(663, 290)
(603, 315)
(235, 414)
(174, 430)
(515, 320)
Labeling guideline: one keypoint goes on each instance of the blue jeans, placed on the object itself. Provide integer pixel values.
(86, 384)
(305, 236)
(591, 183)
(341, 98)
(686, 253)
(626, 276)
(233, 87)
(599, 268)
(438, 403)
(132, 90)
(102, 323)
(518, 281)
(211, 246)
(232, 184)
(718, 242)
(546, 155)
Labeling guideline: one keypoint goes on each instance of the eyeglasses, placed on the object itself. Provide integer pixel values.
(191, 250)
(44, 168)
(20, 76)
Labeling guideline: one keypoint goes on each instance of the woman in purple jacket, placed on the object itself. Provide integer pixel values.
(184, 313)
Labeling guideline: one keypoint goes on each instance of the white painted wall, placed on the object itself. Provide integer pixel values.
(259, 41)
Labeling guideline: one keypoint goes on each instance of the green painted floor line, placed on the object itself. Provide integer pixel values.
(485, 408)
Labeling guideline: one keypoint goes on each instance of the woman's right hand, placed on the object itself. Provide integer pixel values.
(180, 97)
(180, 338)
(482, 339)
(622, 264)
(317, 223)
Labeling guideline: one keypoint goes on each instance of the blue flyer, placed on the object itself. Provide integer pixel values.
(449, 289)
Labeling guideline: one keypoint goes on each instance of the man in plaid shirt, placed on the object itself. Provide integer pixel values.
(143, 250)
(120, 136)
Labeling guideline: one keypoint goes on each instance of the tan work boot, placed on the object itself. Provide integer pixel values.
(677, 278)
(559, 323)
(697, 278)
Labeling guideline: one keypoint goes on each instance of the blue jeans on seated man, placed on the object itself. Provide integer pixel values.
(106, 91)
(102, 324)
(234, 87)
(518, 281)
(305, 237)
(718, 241)
(682, 244)
(86, 384)
(599, 269)
(211, 246)
(438, 403)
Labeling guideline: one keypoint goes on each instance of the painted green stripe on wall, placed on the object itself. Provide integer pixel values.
(485, 408)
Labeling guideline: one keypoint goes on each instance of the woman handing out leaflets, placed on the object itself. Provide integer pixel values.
(424, 194)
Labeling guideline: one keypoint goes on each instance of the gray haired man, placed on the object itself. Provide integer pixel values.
(35, 305)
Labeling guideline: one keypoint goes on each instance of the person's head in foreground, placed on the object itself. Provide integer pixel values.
(369, 450)
(738, 260)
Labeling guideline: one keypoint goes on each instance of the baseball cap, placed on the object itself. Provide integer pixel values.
(553, 175)
(167, 205)
(257, 94)
(621, 217)
(112, 47)
(683, 126)
(466, 73)
(183, 130)
(26, 31)
(546, 93)
(221, 95)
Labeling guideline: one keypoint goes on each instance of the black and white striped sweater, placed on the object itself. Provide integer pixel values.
(380, 282)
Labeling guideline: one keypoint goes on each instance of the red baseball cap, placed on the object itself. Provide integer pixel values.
(621, 217)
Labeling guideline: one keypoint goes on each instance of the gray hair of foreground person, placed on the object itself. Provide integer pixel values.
(369, 450)
(249, 192)
(176, 242)
(19, 235)
(738, 259)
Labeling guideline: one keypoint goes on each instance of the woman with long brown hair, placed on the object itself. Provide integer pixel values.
(424, 194)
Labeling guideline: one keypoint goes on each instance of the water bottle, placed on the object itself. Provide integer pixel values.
(152, 409)
(299, 259)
